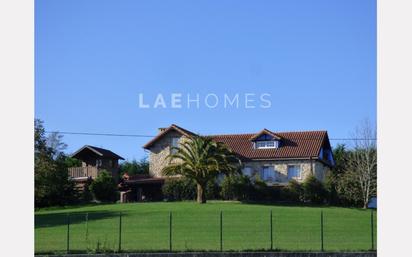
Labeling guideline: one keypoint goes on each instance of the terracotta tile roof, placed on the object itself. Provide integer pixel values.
(306, 144)
(294, 145)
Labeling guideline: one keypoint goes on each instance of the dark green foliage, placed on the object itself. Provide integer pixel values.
(72, 162)
(244, 188)
(212, 190)
(334, 178)
(341, 156)
(51, 183)
(86, 195)
(261, 192)
(104, 187)
(134, 167)
(237, 187)
(330, 184)
(228, 188)
(293, 192)
(313, 190)
(178, 189)
(349, 191)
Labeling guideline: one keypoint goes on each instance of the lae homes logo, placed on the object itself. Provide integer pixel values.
(209, 100)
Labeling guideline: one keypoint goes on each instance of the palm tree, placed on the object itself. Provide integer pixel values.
(201, 159)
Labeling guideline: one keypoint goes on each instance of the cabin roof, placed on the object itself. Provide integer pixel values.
(103, 153)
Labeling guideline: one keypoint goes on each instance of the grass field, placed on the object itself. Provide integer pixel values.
(145, 227)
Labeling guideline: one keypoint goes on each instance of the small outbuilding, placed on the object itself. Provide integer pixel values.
(94, 160)
(140, 188)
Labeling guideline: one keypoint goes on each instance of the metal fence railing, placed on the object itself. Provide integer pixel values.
(223, 231)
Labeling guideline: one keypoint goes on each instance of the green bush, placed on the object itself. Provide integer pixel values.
(228, 188)
(313, 190)
(178, 189)
(261, 191)
(212, 190)
(332, 195)
(237, 187)
(104, 187)
(86, 195)
(293, 192)
(134, 167)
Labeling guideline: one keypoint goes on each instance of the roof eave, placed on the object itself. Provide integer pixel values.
(265, 131)
(160, 135)
(84, 147)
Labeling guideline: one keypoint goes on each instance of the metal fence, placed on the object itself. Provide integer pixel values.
(223, 231)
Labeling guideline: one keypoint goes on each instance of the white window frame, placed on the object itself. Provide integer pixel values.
(266, 144)
(300, 171)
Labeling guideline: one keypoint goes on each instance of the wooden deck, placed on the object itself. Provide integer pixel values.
(80, 172)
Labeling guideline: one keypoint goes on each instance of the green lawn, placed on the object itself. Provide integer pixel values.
(145, 227)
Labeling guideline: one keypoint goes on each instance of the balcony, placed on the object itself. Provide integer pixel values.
(83, 172)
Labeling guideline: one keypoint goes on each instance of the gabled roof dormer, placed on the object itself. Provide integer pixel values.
(265, 132)
(266, 139)
(165, 131)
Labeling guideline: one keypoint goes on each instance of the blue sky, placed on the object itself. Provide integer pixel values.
(317, 60)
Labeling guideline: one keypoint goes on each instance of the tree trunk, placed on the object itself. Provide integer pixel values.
(200, 193)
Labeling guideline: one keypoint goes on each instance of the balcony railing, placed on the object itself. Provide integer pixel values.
(80, 172)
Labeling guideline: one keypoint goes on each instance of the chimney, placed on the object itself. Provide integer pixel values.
(160, 130)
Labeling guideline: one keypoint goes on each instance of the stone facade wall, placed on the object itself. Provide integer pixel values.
(321, 171)
(159, 152)
(280, 168)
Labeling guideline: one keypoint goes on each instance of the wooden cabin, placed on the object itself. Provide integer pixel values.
(94, 160)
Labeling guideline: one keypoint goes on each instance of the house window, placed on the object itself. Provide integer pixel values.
(266, 144)
(98, 162)
(294, 172)
(111, 163)
(267, 173)
(175, 143)
(247, 171)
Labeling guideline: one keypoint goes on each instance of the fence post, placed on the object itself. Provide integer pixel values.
(321, 230)
(68, 233)
(120, 232)
(170, 231)
(271, 231)
(87, 227)
(221, 231)
(372, 236)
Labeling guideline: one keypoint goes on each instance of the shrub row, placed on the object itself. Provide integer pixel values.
(242, 188)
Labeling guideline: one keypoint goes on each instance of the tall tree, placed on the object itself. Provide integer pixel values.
(340, 156)
(362, 161)
(201, 159)
(135, 167)
(333, 179)
(56, 144)
(52, 186)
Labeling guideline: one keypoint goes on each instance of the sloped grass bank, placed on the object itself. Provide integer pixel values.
(245, 227)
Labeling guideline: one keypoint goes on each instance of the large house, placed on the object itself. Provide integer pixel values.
(274, 157)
